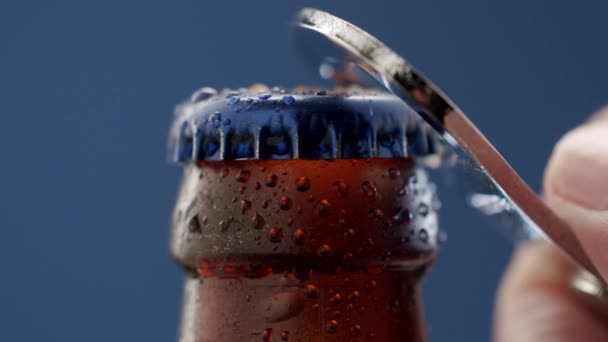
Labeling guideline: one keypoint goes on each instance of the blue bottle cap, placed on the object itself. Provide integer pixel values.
(304, 123)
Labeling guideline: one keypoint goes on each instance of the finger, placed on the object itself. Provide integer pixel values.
(536, 301)
(576, 186)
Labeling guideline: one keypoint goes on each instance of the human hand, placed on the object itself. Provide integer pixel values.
(536, 301)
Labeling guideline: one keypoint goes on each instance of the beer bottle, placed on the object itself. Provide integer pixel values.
(302, 215)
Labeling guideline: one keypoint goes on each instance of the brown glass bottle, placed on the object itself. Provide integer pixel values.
(304, 250)
(302, 216)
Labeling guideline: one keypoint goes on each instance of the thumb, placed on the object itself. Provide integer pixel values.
(536, 301)
(576, 186)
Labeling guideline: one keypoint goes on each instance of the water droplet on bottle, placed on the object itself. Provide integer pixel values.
(423, 209)
(257, 221)
(369, 189)
(285, 335)
(349, 234)
(324, 250)
(335, 299)
(332, 326)
(423, 235)
(245, 206)
(311, 291)
(322, 93)
(227, 122)
(258, 186)
(285, 203)
(324, 208)
(303, 184)
(233, 100)
(264, 96)
(271, 180)
(275, 234)
(355, 330)
(243, 176)
(341, 188)
(205, 220)
(225, 224)
(224, 173)
(299, 236)
(349, 307)
(353, 297)
(403, 216)
(288, 99)
(216, 119)
(369, 286)
(194, 225)
(393, 173)
(375, 214)
(267, 335)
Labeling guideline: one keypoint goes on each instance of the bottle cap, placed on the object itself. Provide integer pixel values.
(305, 123)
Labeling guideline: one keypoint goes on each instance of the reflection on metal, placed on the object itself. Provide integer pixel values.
(324, 36)
(490, 204)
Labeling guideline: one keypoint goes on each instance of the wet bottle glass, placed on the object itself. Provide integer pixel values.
(302, 215)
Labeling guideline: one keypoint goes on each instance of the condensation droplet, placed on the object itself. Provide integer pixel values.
(324, 250)
(271, 180)
(245, 206)
(369, 189)
(335, 299)
(233, 100)
(243, 176)
(375, 214)
(288, 99)
(341, 188)
(311, 291)
(423, 209)
(355, 330)
(303, 184)
(299, 236)
(331, 326)
(224, 173)
(225, 224)
(267, 335)
(403, 216)
(324, 208)
(353, 297)
(194, 225)
(285, 203)
(369, 286)
(349, 234)
(275, 234)
(393, 173)
(285, 335)
(423, 235)
(257, 221)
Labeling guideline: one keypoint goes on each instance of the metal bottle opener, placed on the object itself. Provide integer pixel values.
(348, 48)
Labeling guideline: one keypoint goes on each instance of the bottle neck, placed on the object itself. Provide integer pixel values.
(350, 307)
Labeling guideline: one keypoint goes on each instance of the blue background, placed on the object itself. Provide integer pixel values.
(86, 97)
